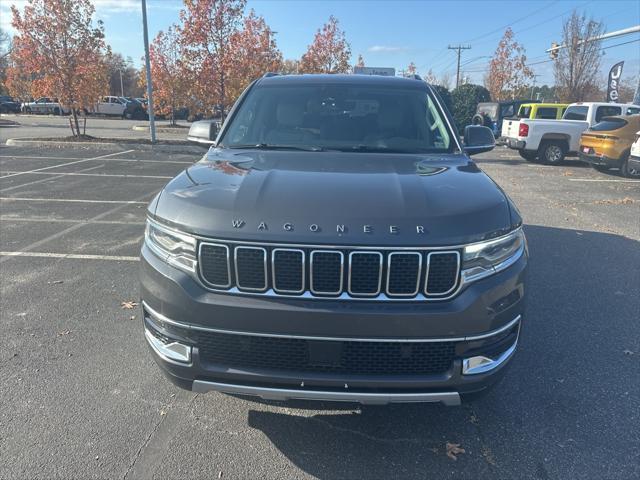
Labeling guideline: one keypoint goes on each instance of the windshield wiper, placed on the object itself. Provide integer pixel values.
(268, 146)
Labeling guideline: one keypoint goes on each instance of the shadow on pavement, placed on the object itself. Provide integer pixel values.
(562, 411)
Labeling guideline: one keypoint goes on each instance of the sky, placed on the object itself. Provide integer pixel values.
(395, 33)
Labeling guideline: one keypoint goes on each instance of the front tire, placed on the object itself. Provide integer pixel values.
(551, 153)
(528, 155)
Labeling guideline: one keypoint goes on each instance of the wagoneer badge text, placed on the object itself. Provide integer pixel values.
(314, 227)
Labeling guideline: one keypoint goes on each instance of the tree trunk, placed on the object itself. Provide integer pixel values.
(76, 123)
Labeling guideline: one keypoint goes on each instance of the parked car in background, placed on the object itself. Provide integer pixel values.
(109, 105)
(45, 105)
(9, 105)
(608, 143)
(134, 110)
(547, 111)
(634, 157)
(492, 114)
(551, 140)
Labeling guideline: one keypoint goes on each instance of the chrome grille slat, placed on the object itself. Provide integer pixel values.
(340, 272)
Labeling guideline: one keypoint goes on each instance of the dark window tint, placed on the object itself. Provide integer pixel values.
(609, 124)
(633, 111)
(343, 117)
(524, 112)
(607, 111)
(576, 113)
(546, 112)
(507, 111)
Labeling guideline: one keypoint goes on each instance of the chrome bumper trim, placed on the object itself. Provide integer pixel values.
(482, 364)
(174, 352)
(162, 318)
(447, 398)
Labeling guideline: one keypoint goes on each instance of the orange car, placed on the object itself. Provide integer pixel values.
(607, 144)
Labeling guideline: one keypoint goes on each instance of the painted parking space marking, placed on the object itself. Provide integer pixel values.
(118, 175)
(610, 180)
(71, 200)
(43, 180)
(6, 218)
(72, 256)
(120, 204)
(132, 160)
(69, 163)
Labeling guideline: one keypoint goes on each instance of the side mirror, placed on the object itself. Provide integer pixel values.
(204, 131)
(478, 139)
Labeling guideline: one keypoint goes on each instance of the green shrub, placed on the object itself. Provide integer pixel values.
(465, 100)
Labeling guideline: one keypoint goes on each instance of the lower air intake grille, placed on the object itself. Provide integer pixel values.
(342, 357)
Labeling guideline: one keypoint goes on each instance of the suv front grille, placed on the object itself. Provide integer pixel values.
(320, 272)
(321, 356)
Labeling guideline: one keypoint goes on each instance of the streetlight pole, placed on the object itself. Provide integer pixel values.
(152, 123)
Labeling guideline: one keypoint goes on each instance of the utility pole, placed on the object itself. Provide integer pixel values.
(535, 77)
(147, 61)
(459, 48)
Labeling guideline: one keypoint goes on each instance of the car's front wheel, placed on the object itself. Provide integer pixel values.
(551, 152)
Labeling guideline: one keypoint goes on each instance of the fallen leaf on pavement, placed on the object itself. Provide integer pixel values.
(64, 332)
(55, 282)
(454, 449)
(129, 305)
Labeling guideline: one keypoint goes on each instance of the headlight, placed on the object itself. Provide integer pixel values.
(482, 259)
(175, 248)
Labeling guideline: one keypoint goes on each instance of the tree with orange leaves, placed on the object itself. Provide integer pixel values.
(508, 74)
(329, 53)
(254, 53)
(206, 33)
(57, 44)
(170, 77)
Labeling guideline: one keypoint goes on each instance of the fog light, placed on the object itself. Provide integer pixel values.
(171, 352)
(482, 364)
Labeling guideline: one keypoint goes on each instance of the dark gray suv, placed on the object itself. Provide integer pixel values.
(336, 243)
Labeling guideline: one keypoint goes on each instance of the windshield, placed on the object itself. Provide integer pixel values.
(339, 117)
(609, 124)
(488, 109)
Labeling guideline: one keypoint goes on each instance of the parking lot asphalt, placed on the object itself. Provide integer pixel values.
(80, 396)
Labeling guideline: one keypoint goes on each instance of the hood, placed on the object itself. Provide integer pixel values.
(335, 198)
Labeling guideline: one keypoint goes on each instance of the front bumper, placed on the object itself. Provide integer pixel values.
(481, 323)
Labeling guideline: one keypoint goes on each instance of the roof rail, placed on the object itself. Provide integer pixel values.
(270, 74)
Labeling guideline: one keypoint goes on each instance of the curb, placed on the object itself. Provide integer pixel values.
(144, 128)
(17, 142)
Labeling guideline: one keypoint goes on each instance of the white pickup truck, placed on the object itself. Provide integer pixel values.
(551, 140)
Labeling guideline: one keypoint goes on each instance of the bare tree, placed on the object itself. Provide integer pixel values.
(5, 49)
(578, 64)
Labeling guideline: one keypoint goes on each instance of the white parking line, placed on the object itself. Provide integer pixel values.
(70, 200)
(602, 180)
(133, 160)
(75, 227)
(8, 218)
(118, 175)
(69, 163)
(74, 256)
(43, 180)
